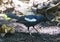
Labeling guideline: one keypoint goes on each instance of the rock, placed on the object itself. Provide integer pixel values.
(1, 40)
(42, 6)
(51, 30)
(21, 7)
(19, 27)
(4, 29)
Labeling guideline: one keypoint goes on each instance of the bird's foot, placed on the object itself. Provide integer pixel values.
(31, 34)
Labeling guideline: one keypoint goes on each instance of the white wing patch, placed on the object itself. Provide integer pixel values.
(30, 20)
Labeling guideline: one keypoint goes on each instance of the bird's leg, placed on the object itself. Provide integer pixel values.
(29, 31)
(36, 29)
(28, 28)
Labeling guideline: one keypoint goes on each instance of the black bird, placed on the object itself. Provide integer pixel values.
(29, 20)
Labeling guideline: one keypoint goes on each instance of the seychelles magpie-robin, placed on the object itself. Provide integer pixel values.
(28, 20)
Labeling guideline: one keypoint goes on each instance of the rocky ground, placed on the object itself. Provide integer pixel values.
(23, 37)
(45, 32)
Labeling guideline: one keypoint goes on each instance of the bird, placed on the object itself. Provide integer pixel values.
(29, 20)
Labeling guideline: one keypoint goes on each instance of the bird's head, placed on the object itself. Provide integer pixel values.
(40, 17)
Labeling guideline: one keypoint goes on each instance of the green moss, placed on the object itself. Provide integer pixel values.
(7, 29)
(5, 17)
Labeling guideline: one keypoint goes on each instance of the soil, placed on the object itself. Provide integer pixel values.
(25, 37)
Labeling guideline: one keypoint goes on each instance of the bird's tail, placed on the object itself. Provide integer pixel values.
(13, 16)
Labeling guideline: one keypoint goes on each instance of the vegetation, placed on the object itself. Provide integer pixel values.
(6, 29)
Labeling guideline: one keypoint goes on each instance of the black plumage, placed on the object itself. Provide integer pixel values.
(29, 20)
(32, 20)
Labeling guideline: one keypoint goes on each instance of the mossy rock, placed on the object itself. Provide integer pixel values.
(4, 29)
(5, 17)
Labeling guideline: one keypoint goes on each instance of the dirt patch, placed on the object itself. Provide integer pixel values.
(25, 37)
